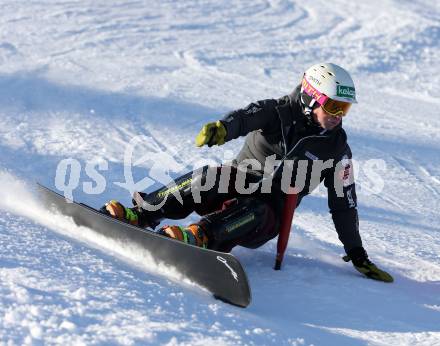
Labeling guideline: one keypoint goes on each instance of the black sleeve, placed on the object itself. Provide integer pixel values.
(258, 115)
(342, 201)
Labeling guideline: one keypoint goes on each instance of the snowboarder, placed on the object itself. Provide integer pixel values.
(302, 129)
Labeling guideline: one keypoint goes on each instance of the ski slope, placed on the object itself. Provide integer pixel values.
(85, 80)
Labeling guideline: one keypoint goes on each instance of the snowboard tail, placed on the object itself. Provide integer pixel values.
(220, 273)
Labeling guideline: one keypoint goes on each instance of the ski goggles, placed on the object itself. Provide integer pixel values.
(334, 108)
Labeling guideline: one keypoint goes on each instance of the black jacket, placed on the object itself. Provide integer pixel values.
(280, 128)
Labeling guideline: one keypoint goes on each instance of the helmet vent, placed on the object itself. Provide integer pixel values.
(331, 73)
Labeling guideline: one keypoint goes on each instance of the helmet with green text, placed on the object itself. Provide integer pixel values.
(329, 86)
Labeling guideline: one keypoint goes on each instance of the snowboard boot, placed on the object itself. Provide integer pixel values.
(118, 211)
(193, 234)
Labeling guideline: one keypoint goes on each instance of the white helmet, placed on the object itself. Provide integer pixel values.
(325, 83)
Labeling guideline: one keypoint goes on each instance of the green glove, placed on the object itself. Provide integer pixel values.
(211, 134)
(362, 264)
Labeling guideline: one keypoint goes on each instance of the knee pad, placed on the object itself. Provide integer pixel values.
(248, 222)
(175, 198)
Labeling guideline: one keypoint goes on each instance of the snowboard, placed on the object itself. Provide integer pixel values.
(220, 273)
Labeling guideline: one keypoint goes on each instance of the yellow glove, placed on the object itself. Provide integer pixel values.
(369, 269)
(211, 134)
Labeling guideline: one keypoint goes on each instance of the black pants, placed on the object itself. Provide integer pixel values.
(228, 217)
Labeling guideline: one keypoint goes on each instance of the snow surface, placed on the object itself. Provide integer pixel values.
(81, 79)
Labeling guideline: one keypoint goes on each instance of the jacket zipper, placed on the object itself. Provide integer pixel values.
(294, 147)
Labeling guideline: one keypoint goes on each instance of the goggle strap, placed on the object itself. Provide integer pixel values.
(312, 101)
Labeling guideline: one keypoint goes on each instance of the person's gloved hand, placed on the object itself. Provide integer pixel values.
(358, 256)
(211, 134)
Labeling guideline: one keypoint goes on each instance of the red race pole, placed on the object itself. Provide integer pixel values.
(286, 224)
